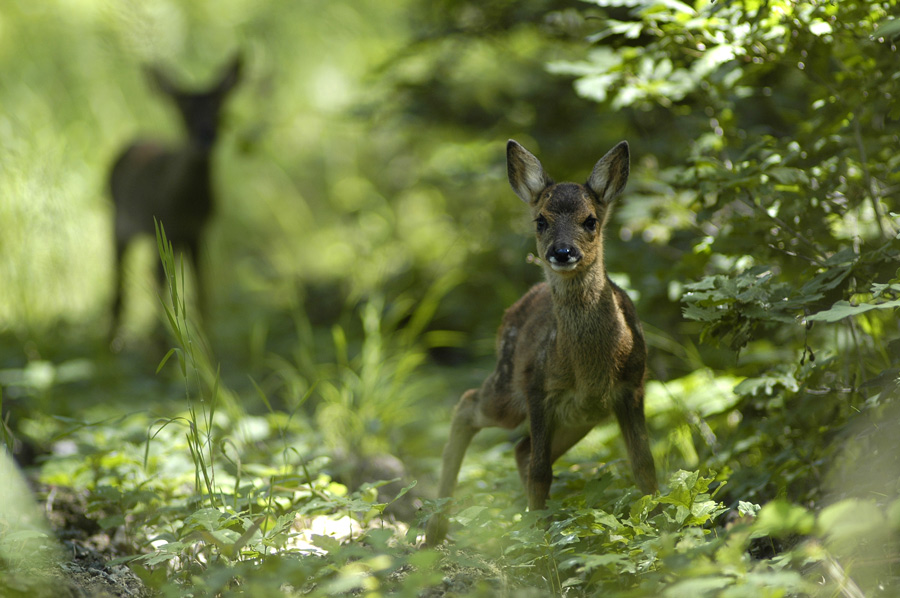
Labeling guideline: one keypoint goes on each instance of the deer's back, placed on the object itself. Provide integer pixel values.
(579, 365)
(150, 180)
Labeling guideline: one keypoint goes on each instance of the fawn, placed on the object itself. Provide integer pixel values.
(570, 351)
(171, 184)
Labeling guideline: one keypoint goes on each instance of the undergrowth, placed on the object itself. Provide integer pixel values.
(218, 501)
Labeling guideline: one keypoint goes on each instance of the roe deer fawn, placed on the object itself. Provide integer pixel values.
(171, 184)
(570, 352)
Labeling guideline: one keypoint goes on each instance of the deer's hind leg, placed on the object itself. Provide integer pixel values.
(478, 408)
(462, 430)
(113, 332)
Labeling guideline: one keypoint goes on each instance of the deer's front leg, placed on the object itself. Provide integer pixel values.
(540, 463)
(629, 408)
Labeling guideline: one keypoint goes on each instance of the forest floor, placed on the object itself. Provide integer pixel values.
(119, 475)
(82, 564)
(89, 562)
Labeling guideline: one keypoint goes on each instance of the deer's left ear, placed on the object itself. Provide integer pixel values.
(610, 173)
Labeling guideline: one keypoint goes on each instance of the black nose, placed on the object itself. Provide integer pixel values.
(562, 254)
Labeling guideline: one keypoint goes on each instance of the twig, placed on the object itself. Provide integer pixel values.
(786, 227)
(846, 585)
(794, 254)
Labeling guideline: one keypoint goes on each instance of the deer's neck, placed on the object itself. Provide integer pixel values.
(190, 164)
(587, 313)
(581, 294)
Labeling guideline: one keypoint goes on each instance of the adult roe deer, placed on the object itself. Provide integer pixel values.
(570, 351)
(171, 184)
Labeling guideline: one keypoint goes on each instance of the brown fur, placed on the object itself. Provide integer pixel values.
(570, 352)
(171, 184)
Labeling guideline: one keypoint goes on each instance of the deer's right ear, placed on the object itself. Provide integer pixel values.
(526, 175)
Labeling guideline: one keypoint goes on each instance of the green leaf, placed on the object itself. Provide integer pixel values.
(768, 384)
(469, 515)
(588, 562)
(819, 28)
(844, 309)
(788, 176)
(780, 518)
(326, 543)
(207, 519)
(702, 314)
(850, 519)
(889, 28)
(748, 508)
(712, 59)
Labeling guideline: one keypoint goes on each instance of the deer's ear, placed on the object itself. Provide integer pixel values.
(231, 74)
(610, 173)
(526, 175)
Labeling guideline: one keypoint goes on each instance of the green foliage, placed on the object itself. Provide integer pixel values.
(601, 539)
(846, 309)
(369, 403)
(788, 178)
(366, 244)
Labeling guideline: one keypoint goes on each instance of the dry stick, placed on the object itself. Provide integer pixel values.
(794, 254)
(846, 585)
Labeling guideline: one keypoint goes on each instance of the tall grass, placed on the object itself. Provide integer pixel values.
(374, 400)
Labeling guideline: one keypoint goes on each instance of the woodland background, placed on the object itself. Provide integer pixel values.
(365, 245)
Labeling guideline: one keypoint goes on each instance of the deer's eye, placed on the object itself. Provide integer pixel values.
(541, 223)
(591, 223)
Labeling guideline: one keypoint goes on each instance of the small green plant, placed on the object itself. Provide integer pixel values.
(375, 402)
(245, 516)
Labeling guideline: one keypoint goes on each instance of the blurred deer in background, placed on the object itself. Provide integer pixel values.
(571, 351)
(172, 184)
